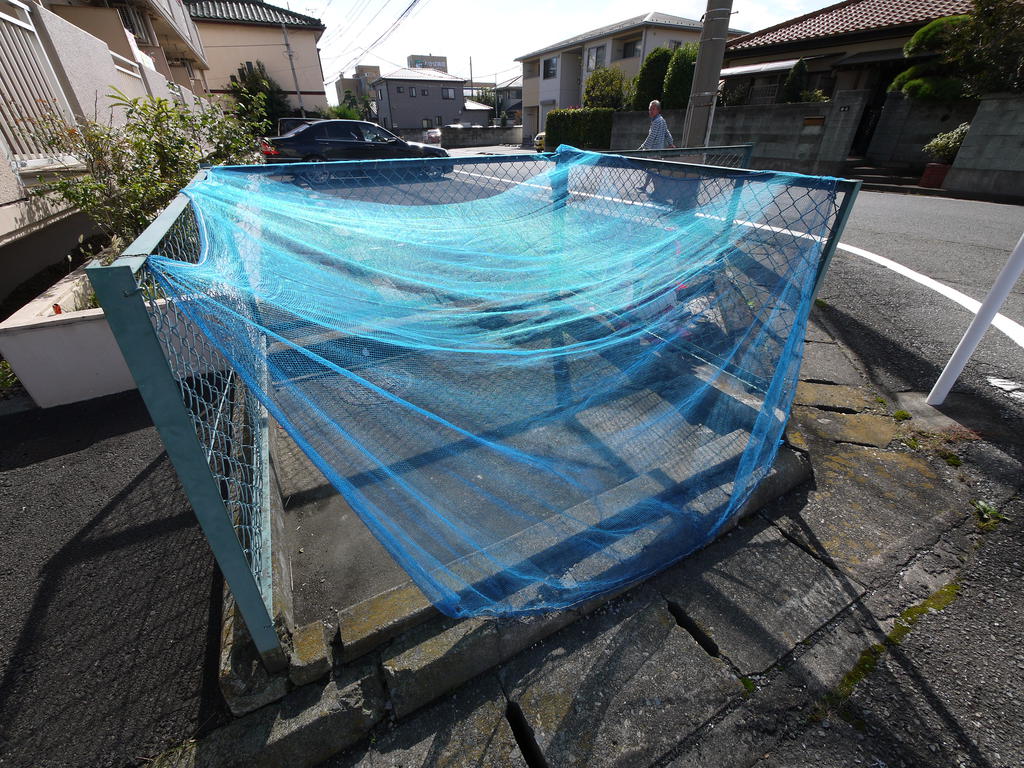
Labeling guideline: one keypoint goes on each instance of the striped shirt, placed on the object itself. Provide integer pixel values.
(659, 136)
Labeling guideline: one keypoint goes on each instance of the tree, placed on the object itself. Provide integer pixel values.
(342, 112)
(795, 84)
(253, 81)
(605, 88)
(987, 49)
(935, 80)
(651, 80)
(679, 77)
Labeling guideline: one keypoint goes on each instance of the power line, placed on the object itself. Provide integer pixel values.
(387, 33)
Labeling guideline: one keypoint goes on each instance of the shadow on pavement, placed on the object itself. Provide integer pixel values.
(110, 640)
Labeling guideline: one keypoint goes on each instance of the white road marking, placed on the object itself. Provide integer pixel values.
(1012, 329)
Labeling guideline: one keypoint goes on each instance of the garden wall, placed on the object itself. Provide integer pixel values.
(906, 125)
(481, 137)
(991, 160)
(813, 137)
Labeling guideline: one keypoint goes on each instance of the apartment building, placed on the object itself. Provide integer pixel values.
(68, 58)
(419, 98)
(238, 33)
(555, 76)
(361, 83)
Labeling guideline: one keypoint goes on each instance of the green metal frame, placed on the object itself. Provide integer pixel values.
(119, 292)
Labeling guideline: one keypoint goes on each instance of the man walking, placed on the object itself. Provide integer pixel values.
(659, 136)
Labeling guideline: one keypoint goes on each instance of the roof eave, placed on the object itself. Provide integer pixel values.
(876, 33)
(616, 33)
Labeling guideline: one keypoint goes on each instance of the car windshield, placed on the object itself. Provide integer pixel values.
(375, 133)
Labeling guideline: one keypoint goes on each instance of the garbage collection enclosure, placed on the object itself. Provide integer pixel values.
(536, 379)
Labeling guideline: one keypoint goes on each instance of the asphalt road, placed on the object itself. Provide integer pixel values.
(905, 332)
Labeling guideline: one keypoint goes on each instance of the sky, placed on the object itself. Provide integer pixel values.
(492, 33)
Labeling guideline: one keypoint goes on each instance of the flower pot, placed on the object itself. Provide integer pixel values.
(934, 174)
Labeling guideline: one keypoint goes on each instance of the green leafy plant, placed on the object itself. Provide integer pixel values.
(121, 176)
(950, 458)
(651, 80)
(8, 381)
(605, 89)
(988, 517)
(583, 128)
(986, 50)
(794, 84)
(902, 415)
(258, 96)
(944, 147)
(817, 95)
(679, 77)
(342, 112)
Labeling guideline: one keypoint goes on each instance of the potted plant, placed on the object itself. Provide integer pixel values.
(942, 149)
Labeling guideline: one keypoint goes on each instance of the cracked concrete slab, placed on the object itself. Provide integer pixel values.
(826, 362)
(831, 396)
(757, 595)
(620, 687)
(469, 728)
(857, 428)
(892, 504)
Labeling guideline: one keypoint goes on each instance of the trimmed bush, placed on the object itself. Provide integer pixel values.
(582, 128)
(796, 83)
(679, 77)
(605, 88)
(943, 148)
(651, 80)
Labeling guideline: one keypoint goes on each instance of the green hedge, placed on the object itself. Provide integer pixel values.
(587, 128)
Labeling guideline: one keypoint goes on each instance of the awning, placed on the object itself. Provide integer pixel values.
(754, 69)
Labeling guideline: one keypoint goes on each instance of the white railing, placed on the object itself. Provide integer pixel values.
(127, 66)
(28, 85)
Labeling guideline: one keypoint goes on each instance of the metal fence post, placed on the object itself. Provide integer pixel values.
(850, 188)
(123, 303)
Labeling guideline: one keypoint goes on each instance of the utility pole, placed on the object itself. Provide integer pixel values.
(291, 62)
(708, 70)
(471, 91)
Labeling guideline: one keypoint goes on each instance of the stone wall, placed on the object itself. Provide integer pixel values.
(991, 160)
(906, 125)
(805, 138)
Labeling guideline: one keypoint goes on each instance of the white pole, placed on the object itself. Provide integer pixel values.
(988, 309)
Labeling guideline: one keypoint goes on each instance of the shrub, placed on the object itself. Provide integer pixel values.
(258, 96)
(795, 84)
(605, 88)
(815, 95)
(128, 173)
(651, 80)
(583, 128)
(341, 112)
(935, 89)
(945, 146)
(933, 37)
(679, 77)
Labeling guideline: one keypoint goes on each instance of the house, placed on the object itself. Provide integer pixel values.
(852, 45)
(238, 33)
(509, 98)
(419, 98)
(475, 113)
(555, 76)
(361, 83)
(68, 58)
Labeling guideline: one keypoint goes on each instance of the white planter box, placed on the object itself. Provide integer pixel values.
(68, 357)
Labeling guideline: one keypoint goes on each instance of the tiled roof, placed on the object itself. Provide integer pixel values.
(249, 12)
(421, 73)
(648, 19)
(848, 17)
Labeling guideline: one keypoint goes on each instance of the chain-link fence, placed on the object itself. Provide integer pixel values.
(228, 426)
(732, 156)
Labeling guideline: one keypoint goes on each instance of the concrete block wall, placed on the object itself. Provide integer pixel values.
(481, 137)
(906, 125)
(805, 138)
(991, 160)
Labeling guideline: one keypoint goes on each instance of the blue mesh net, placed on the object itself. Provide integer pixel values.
(534, 379)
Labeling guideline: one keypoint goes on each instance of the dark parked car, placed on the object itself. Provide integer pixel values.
(342, 140)
(285, 124)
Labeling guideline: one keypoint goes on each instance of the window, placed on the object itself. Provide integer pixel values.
(440, 122)
(399, 89)
(448, 93)
(412, 92)
(342, 132)
(380, 94)
(375, 134)
(673, 44)
(595, 58)
(631, 49)
(428, 123)
(517, 93)
(135, 23)
(550, 67)
(423, 92)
